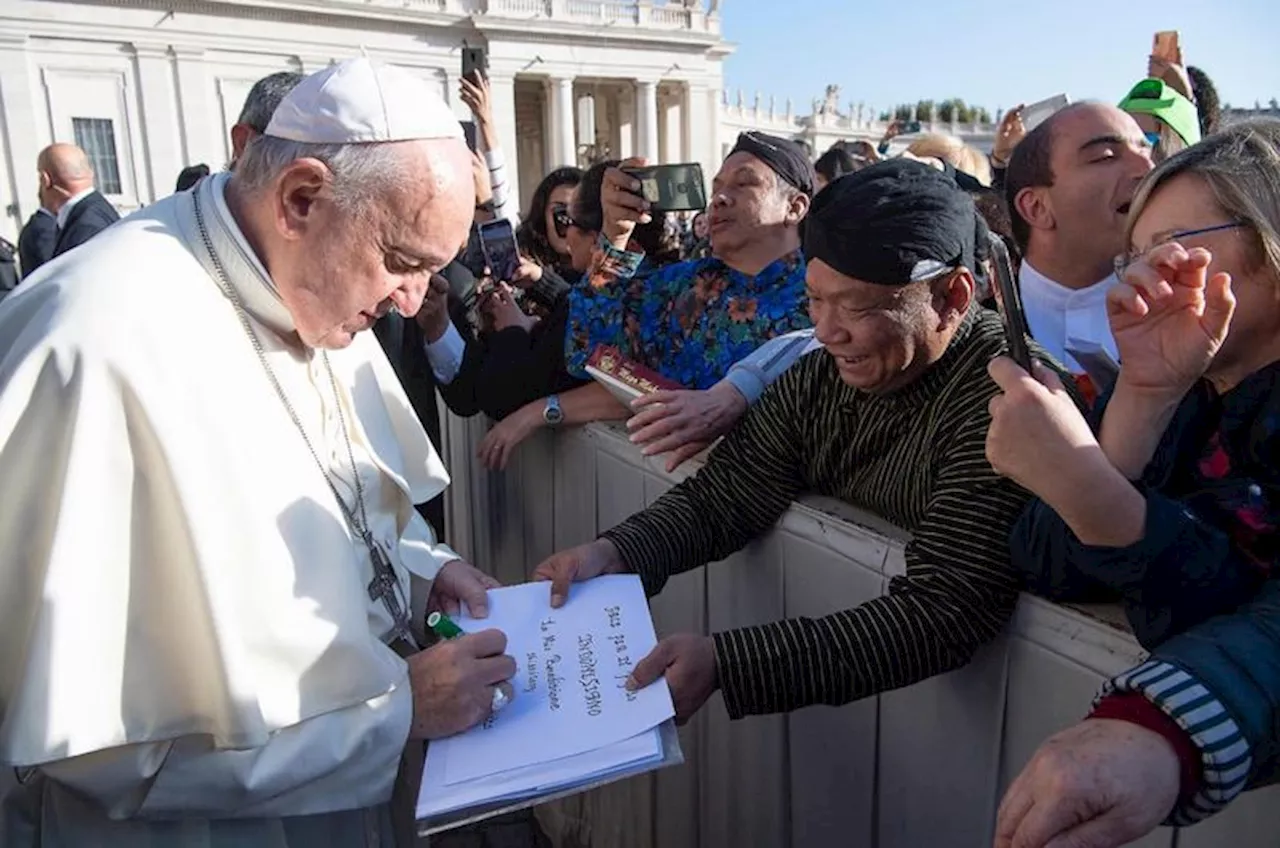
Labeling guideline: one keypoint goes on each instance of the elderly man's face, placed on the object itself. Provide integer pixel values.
(881, 337)
(354, 268)
(745, 198)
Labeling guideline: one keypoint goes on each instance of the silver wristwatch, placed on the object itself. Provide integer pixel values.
(552, 413)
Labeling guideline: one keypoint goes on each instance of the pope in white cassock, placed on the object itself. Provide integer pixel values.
(208, 546)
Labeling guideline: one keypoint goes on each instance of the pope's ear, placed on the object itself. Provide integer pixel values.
(297, 189)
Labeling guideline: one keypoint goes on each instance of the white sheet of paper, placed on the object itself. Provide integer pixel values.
(436, 796)
(571, 665)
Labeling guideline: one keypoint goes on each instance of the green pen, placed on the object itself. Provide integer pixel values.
(443, 626)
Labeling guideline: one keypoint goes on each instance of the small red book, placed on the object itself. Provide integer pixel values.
(627, 380)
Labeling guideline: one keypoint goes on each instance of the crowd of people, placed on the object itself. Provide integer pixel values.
(267, 470)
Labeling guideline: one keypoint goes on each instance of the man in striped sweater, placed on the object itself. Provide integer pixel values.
(891, 416)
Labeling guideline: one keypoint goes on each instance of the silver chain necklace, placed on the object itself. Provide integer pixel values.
(384, 586)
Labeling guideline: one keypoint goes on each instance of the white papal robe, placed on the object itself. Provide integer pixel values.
(185, 626)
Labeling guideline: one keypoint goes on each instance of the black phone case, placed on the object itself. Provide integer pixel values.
(1015, 320)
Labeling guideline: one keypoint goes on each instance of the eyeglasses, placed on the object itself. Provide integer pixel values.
(562, 219)
(1122, 262)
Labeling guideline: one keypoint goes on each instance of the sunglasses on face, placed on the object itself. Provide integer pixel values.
(562, 219)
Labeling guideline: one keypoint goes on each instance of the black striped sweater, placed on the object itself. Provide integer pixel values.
(917, 459)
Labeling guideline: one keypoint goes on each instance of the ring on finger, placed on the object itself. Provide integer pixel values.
(500, 699)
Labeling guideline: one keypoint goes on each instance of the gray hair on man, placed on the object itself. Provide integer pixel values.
(362, 173)
(264, 97)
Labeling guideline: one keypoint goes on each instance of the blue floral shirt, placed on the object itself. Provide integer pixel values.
(689, 321)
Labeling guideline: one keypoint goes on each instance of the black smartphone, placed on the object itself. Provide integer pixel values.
(474, 59)
(672, 188)
(498, 241)
(1015, 320)
(469, 130)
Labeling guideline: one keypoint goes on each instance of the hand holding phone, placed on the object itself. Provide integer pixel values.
(1165, 46)
(1010, 300)
(671, 188)
(498, 242)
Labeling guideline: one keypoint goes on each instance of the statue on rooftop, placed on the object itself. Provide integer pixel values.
(831, 105)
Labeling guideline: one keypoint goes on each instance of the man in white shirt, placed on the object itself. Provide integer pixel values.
(1069, 184)
(210, 623)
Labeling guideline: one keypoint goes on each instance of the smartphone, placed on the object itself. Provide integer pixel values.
(1165, 46)
(672, 188)
(1037, 113)
(1015, 320)
(474, 59)
(469, 130)
(498, 241)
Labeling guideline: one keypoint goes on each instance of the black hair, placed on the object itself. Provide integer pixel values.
(1030, 166)
(191, 175)
(1208, 107)
(835, 163)
(532, 236)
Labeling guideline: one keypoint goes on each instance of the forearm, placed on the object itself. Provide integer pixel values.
(886, 643)
(347, 759)
(1132, 427)
(598, 306)
(504, 205)
(592, 402)
(1101, 507)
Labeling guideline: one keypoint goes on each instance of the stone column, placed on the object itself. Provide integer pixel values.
(702, 130)
(625, 102)
(671, 138)
(164, 156)
(27, 132)
(647, 120)
(565, 140)
(587, 118)
(201, 131)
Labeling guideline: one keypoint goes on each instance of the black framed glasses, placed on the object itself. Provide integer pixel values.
(1122, 262)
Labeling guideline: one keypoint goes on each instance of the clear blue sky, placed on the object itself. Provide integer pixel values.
(992, 54)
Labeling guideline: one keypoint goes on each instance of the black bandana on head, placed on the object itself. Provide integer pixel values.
(784, 157)
(893, 223)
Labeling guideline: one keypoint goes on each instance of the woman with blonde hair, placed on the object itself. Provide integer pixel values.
(955, 153)
(1175, 504)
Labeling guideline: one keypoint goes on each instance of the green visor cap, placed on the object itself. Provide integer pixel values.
(1153, 97)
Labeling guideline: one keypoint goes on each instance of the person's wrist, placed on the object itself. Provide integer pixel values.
(1148, 397)
(434, 326)
(618, 235)
(610, 557)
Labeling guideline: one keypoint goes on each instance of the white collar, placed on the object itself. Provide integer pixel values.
(65, 212)
(1036, 287)
(244, 270)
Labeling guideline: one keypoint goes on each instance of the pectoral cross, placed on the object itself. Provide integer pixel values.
(385, 587)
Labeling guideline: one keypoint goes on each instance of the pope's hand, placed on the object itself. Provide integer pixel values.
(433, 315)
(578, 564)
(453, 683)
(688, 662)
(459, 583)
(1037, 434)
(1099, 784)
(683, 423)
(1169, 319)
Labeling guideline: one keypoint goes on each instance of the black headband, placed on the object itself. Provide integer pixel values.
(784, 157)
(893, 223)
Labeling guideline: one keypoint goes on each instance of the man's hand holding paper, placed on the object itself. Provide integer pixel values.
(453, 683)
(578, 564)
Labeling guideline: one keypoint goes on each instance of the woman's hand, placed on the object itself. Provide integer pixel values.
(504, 437)
(1169, 319)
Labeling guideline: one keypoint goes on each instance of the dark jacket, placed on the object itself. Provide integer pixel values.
(1237, 658)
(1212, 533)
(402, 341)
(36, 241)
(502, 371)
(86, 219)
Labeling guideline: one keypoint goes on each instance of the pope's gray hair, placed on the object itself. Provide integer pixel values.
(363, 174)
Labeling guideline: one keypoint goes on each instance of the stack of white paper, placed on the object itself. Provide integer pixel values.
(572, 722)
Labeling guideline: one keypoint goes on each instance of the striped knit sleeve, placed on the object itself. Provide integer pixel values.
(958, 592)
(748, 482)
(1224, 750)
